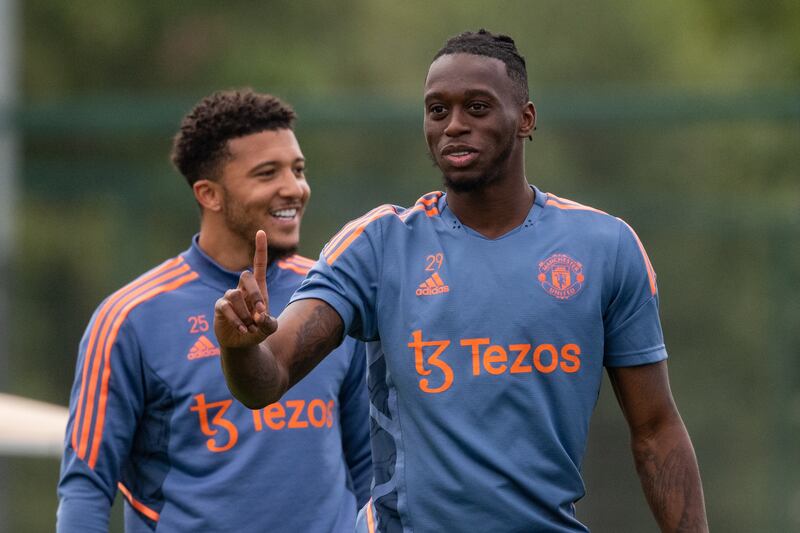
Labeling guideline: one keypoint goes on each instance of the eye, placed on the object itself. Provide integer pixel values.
(477, 107)
(267, 173)
(299, 171)
(436, 110)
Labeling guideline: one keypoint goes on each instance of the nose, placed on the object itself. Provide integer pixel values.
(292, 186)
(457, 123)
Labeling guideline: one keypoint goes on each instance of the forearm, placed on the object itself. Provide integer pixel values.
(259, 374)
(84, 500)
(254, 375)
(667, 467)
(89, 515)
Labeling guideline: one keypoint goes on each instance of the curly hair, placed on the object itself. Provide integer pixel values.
(502, 47)
(201, 145)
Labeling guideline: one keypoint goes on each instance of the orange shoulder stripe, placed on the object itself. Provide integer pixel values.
(99, 319)
(136, 504)
(339, 237)
(96, 354)
(358, 231)
(101, 410)
(351, 231)
(651, 273)
(298, 265)
(350, 226)
(300, 260)
(419, 207)
(303, 270)
(430, 198)
(430, 201)
(565, 204)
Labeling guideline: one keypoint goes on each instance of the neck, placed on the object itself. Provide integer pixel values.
(495, 209)
(227, 249)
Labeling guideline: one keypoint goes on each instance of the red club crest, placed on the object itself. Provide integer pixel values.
(561, 276)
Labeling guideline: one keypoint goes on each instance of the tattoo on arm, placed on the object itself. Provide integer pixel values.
(320, 334)
(671, 485)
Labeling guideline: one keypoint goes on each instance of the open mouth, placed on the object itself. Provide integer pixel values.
(461, 158)
(286, 214)
(459, 155)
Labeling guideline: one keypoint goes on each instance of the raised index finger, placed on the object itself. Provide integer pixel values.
(260, 263)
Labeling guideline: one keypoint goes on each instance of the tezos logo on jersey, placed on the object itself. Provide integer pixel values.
(561, 276)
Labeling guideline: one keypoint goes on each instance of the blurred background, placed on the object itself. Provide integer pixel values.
(683, 118)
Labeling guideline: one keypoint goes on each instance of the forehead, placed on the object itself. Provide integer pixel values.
(268, 145)
(454, 74)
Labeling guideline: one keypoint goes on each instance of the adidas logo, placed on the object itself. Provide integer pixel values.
(202, 348)
(432, 285)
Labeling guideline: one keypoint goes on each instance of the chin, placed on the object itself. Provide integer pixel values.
(466, 183)
(278, 251)
(281, 239)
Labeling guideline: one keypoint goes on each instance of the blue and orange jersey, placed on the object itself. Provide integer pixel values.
(152, 418)
(485, 356)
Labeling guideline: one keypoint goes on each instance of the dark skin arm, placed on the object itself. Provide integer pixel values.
(262, 357)
(662, 450)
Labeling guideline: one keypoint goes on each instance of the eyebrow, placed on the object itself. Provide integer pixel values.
(470, 93)
(272, 162)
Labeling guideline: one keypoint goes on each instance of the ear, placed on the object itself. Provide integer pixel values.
(528, 123)
(208, 194)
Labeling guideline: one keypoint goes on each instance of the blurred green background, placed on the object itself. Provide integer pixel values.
(681, 117)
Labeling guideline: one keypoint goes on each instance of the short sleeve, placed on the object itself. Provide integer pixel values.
(346, 276)
(631, 323)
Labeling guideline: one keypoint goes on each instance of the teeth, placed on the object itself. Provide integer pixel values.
(284, 213)
(459, 153)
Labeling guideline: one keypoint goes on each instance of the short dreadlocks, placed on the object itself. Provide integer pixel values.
(502, 47)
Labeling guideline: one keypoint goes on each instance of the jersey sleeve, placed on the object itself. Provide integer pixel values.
(105, 404)
(633, 333)
(347, 274)
(354, 405)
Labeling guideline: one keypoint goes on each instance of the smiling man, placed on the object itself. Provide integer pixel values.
(150, 414)
(493, 309)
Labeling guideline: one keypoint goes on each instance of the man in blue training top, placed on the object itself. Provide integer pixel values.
(150, 414)
(492, 310)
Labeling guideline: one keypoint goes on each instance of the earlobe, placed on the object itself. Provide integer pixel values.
(208, 195)
(528, 120)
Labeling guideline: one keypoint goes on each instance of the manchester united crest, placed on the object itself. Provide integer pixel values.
(561, 276)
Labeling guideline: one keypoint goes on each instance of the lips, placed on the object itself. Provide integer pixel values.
(460, 155)
(285, 214)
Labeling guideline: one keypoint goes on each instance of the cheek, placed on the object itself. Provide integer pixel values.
(431, 135)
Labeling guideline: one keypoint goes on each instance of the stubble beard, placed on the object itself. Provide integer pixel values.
(484, 180)
(241, 224)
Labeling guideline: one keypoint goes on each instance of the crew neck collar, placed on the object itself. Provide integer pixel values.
(211, 272)
(534, 213)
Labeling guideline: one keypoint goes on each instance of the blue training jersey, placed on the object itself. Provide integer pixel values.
(152, 417)
(486, 355)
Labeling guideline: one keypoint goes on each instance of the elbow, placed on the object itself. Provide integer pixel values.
(258, 393)
(255, 403)
(664, 432)
(255, 399)
(255, 385)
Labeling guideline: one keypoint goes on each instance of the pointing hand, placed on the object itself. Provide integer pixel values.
(241, 316)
